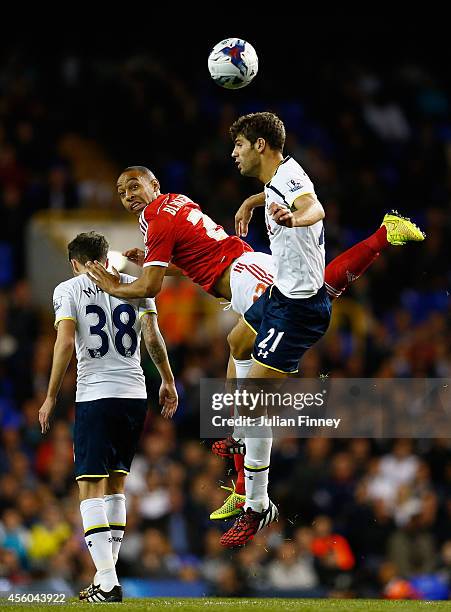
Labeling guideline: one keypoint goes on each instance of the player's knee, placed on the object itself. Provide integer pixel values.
(240, 347)
(91, 487)
(234, 343)
(231, 340)
(115, 484)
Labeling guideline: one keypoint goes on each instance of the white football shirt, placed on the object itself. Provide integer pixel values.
(298, 252)
(107, 338)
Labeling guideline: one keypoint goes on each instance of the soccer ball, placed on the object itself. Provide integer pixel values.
(233, 63)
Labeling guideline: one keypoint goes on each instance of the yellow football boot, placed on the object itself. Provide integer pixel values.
(231, 506)
(401, 229)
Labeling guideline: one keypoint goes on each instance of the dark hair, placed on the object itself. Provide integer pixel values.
(260, 125)
(88, 247)
(141, 170)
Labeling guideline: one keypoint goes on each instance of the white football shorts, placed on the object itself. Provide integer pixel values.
(250, 276)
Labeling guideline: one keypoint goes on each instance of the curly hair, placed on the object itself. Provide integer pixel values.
(260, 125)
(88, 247)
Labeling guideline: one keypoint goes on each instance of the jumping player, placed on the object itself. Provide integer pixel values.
(176, 230)
(294, 313)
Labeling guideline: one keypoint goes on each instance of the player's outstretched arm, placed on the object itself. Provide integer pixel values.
(62, 353)
(147, 285)
(305, 210)
(136, 256)
(156, 348)
(245, 211)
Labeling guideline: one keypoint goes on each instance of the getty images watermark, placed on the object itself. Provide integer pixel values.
(327, 407)
(249, 404)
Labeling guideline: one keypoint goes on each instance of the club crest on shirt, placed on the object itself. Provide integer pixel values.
(57, 303)
(294, 185)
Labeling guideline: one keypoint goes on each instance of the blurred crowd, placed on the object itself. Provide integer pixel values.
(358, 517)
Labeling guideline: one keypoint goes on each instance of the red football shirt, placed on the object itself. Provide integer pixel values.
(176, 230)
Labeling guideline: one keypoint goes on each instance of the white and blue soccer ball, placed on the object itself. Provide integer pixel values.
(233, 63)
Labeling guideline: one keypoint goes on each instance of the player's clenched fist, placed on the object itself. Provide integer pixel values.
(281, 215)
(136, 256)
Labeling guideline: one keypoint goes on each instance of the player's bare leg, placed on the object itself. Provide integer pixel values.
(241, 341)
(91, 487)
(231, 370)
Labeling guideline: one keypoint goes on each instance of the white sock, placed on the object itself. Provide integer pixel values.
(242, 368)
(98, 540)
(117, 518)
(256, 471)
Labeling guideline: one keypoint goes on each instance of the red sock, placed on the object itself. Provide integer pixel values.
(347, 267)
(239, 467)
